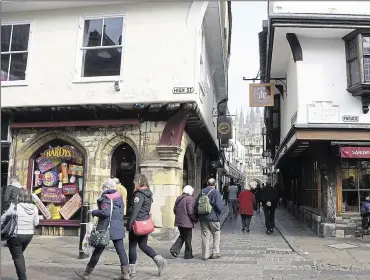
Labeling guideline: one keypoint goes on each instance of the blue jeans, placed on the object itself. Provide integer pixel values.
(120, 249)
(142, 241)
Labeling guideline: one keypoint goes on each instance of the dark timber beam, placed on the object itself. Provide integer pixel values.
(295, 46)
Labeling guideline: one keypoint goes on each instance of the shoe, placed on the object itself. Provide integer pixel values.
(173, 253)
(125, 273)
(132, 270)
(161, 263)
(215, 256)
(247, 230)
(267, 231)
(85, 275)
(243, 229)
(188, 258)
(205, 259)
(230, 218)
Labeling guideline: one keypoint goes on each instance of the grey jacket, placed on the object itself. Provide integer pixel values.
(28, 217)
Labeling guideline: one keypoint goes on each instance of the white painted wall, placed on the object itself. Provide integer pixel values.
(160, 53)
(322, 76)
(289, 104)
(339, 8)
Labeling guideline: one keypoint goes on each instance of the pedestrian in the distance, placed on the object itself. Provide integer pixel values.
(143, 198)
(185, 218)
(257, 193)
(209, 207)
(269, 198)
(225, 193)
(112, 219)
(28, 219)
(246, 202)
(233, 195)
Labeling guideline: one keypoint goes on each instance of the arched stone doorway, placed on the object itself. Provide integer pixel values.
(124, 168)
(188, 175)
(254, 182)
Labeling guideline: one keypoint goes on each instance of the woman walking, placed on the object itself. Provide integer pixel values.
(112, 218)
(246, 202)
(27, 220)
(143, 198)
(185, 218)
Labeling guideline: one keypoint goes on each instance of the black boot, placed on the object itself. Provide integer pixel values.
(85, 275)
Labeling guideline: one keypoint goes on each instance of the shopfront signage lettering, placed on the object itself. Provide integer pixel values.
(355, 152)
(52, 194)
(180, 90)
(323, 112)
(348, 118)
(59, 152)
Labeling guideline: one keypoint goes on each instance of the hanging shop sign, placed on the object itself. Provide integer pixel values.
(355, 152)
(59, 152)
(261, 95)
(54, 195)
(224, 128)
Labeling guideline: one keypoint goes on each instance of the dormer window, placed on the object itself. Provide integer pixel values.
(358, 65)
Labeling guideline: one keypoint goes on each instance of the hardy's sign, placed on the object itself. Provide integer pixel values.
(59, 152)
(261, 95)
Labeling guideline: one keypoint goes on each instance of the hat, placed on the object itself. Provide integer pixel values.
(188, 190)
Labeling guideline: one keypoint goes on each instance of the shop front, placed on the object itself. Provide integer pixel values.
(56, 179)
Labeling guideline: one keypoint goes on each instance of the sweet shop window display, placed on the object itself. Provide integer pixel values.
(57, 185)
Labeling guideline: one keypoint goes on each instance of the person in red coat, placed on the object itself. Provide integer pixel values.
(247, 203)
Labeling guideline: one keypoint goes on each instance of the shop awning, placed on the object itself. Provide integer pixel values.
(355, 152)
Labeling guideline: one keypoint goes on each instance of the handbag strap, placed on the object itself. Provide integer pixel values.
(111, 211)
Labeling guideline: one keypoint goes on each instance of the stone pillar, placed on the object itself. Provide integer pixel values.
(328, 201)
(165, 179)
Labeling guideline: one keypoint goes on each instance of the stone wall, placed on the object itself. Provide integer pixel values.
(310, 219)
(346, 224)
(97, 144)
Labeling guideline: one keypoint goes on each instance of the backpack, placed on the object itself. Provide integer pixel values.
(204, 206)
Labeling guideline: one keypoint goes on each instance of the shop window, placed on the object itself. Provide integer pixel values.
(355, 184)
(57, 183)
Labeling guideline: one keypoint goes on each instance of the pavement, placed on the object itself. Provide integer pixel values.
(291, 252)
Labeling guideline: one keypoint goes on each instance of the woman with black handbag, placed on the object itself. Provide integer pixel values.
(109, 227)
(25, 216)
(140, 225)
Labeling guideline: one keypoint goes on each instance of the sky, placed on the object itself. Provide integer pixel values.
(247, 19)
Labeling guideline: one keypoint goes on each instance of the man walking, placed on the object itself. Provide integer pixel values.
(233, 196)
(209, 207)
(269, 198)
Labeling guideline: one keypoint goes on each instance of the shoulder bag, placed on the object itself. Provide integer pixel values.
(101, 238)
(143, 227)
(10, 225)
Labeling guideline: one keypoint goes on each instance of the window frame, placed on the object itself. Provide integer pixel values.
(25, 81)
(79, 48)
(358, 36)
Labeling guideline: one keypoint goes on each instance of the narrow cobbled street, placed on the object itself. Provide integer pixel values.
(253, 255)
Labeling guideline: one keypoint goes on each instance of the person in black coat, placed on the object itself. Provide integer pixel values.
(269, 198)
(143, 198)
(110, 197)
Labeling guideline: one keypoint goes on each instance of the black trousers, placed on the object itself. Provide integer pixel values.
(16, 247)
(141, 240)
(186, 235)
(120, 249)
(269, 212)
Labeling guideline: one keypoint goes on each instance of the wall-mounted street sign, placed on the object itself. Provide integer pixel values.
(261, 95)
(224, 128)
(350, 118)
(180, 90)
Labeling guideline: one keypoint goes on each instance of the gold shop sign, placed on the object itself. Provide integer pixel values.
(261, 95)
(59, 152)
